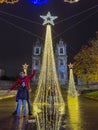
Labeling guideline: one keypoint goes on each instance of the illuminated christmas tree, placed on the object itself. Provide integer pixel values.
(48, 90)
(71, 90)
(48, 101)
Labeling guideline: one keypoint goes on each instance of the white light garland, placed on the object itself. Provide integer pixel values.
(71, 1)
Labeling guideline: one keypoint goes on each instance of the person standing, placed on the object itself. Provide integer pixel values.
(23, 80)
(21, 97)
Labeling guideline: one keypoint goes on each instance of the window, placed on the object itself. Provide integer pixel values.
(62, 75)
(36, 62)
(61, 62)
(61, 51)
(37, 50)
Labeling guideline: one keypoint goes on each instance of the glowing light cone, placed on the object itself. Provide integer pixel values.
(71, 90)
(48, 90)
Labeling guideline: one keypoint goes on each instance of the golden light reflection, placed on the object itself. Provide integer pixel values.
(71, 1)
(74, 113)
(7, 96)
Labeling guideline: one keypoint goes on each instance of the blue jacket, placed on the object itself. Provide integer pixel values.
(22, 93)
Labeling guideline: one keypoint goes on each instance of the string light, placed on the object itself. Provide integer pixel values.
(9, 1)
(71, 1)
(48, 90)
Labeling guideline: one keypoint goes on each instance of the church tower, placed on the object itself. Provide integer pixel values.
(61, 61)
(37, 58)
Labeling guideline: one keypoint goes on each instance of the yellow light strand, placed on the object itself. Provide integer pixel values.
(48, 80)
(74, 113)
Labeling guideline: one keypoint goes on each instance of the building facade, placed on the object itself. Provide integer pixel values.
(60, 53)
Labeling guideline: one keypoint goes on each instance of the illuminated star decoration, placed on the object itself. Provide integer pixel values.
(70, 66)
(48, 19)
(25, 67)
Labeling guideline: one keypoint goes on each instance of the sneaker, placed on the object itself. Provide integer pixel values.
(14, 113)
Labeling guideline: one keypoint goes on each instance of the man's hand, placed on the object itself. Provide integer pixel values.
(30, 90)
(7, 92)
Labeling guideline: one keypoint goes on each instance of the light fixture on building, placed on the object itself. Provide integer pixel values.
(71, 1)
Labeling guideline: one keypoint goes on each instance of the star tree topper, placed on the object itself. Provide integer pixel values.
(70, 66)
(25, 67)
(48, 19)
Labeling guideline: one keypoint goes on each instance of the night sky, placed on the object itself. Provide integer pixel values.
(19, 23)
